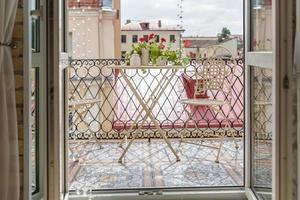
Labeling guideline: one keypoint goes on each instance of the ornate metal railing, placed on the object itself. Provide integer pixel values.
(102, 106)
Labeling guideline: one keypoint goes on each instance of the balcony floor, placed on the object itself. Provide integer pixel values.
(153, 165)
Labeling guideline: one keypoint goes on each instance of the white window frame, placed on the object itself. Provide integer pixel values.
(265, 60)
(280, 61)
(37, 59)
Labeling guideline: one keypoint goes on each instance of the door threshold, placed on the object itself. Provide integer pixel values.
(186, 195)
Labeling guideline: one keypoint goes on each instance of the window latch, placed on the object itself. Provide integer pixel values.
(37, 13)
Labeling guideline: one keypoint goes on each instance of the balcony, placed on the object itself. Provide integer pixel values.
(102, 109)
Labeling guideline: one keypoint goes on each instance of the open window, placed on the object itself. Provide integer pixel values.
(94, 110)
(35, 183)
(262, 99)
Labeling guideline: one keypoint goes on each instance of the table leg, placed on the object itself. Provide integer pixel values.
(164, 81)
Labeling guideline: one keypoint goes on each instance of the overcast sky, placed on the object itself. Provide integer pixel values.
(200, 17)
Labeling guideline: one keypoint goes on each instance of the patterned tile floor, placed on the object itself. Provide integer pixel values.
(153, 165)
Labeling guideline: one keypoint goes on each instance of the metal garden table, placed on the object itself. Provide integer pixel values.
(168, 73)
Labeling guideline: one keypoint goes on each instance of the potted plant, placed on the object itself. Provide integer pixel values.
(135, 59)
(159, 53)
(161, 61)
(174, 56)
(144, 47)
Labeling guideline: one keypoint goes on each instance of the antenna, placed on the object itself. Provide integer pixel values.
(180, 14)
(180, 23)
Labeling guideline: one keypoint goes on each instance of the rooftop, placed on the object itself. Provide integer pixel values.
(203, 41)
(148, 25)
(85, 3)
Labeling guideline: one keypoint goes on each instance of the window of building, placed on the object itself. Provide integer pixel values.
(123, 38)
(145, 25)
(156, 38)
(146, 38)
(134, 39)
(172, 38)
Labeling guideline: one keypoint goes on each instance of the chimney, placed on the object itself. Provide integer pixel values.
(159, 23)
(128, 21)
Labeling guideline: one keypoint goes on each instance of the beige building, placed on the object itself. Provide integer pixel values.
(94, 30)
(87, 21)
(131, 31)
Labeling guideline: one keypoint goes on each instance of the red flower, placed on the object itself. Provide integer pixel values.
(161, 46)
(163, 40)
(142, 39)
(192, 54)
(151, 36)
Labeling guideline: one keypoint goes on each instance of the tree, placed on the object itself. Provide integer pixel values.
(224, 35)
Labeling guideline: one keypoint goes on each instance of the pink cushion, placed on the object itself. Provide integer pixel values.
(189, 87)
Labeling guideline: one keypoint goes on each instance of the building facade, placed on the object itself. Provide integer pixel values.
(94, 33)
(131, 31)
(196, 47)
(87, 21)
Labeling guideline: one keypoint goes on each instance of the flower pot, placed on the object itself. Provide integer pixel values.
(145, 57)
(161, 61)
(135, 60)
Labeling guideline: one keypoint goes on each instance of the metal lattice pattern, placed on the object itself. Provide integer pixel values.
(104, 107)
(262, 127)
(262, 102)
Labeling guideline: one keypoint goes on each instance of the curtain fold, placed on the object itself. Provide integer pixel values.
(9, 156)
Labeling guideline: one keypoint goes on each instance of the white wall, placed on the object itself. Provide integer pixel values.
(165, 34)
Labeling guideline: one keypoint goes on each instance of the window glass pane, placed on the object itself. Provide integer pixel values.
(134, 38)
(102, 110)
(107, 4)
(34, 129)
(172, 38)
(123, 38)
(262, 132)
(261, 25)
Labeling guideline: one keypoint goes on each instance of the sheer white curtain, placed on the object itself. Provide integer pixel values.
(9, 160)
